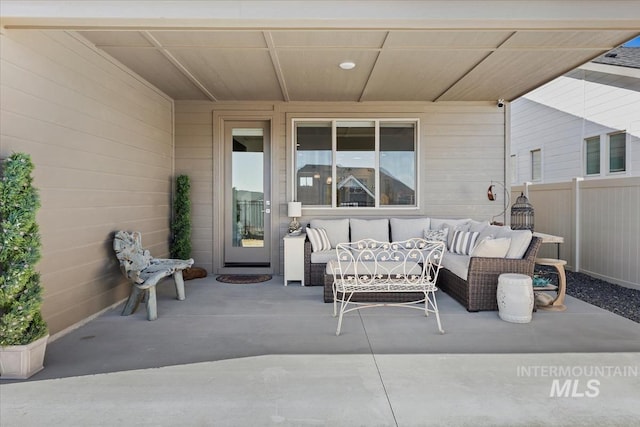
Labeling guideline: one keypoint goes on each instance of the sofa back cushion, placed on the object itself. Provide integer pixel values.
(408, 228)
(337, 229)
(520, 240)
(376, 229)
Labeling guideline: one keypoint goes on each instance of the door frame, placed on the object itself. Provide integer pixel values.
(218, 180)
(235, 255)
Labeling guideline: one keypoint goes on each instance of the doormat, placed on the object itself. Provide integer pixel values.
(243, 279)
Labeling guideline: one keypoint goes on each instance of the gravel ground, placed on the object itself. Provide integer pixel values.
(617, 299)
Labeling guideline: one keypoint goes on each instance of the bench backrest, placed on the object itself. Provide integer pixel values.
(412, 261)
(132, 256)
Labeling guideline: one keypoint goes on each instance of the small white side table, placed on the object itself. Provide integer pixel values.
(294, 258)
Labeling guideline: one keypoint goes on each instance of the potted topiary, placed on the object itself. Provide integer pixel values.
(181, 227)
(23, 331)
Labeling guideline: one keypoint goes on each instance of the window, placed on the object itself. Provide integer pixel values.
(617, 152)
(592, 155)
(536, 165)
(356, 163)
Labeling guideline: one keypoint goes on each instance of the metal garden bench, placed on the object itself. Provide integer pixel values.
(369, 266)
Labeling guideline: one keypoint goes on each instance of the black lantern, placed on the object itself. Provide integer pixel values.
(522, 214)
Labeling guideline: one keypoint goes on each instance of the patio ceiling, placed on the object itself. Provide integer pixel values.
(395, 65)
(290, 50)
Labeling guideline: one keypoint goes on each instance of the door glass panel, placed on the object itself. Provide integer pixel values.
(247, 162)
(355, 164)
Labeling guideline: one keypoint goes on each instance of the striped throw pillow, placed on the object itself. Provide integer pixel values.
(319, 239)
(463, 242)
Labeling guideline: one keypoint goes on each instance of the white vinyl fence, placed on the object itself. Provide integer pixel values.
(599, 221)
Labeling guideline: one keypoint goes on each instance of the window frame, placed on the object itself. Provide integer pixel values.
(335, 121)
(531, 154)
(608, 157)
(585, 158)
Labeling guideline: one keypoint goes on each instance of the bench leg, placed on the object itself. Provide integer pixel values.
(133, 302)
(177, 277)
(434, 305)
(152, 308)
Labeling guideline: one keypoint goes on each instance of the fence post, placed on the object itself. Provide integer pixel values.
(575, 207)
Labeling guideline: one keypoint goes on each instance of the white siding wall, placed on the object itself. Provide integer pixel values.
(551, 118)
(461, 152)
(102, 143)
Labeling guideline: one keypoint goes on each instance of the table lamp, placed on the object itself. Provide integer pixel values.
(294, 210)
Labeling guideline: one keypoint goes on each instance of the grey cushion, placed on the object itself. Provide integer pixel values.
(457, 264)
(337, 229)
(383, 267)
(322, 257)
(376, 229)
(438, 223)
(492, 231)
(408, 228)
(478, 225)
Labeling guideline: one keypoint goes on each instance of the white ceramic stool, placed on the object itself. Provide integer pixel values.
(515, 298)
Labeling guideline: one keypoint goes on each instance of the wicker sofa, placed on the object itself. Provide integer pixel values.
(473, 282)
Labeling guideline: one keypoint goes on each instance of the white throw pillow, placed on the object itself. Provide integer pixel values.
(492, 248)
(319, 239)
(463, 242)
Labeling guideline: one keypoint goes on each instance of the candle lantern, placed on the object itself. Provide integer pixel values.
(522, 214)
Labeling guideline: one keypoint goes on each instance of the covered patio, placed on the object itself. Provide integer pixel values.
(244, 354)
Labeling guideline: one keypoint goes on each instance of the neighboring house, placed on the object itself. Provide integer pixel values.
(113, 99)
(583, 124)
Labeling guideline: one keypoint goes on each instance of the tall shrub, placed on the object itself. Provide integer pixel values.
(181, 227)
(21, 319)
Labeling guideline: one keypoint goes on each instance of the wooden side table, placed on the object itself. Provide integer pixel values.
(558, 303)
(294, 258)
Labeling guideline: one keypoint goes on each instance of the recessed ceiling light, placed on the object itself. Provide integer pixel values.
(347, 65)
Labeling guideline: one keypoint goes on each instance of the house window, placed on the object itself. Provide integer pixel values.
(592, 155)
(536, 165)
(617, 152)
(356, 163)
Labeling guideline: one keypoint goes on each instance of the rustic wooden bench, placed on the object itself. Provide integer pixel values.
(369, 266)
(145, 272)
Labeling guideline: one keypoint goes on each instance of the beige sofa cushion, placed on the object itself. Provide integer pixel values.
(492, 248)
(520, 240)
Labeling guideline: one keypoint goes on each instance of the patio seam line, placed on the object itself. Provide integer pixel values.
(375, 362)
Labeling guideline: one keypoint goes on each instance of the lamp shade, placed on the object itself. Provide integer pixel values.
(294, 209)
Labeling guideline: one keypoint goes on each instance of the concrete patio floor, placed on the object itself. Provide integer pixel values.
(266, 354)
